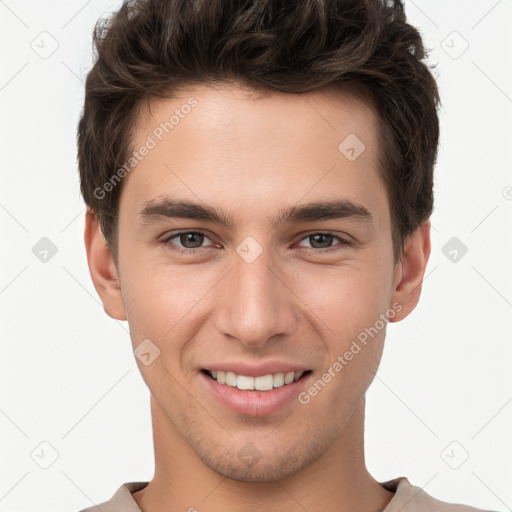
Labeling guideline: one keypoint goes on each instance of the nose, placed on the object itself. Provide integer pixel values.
(256, 302)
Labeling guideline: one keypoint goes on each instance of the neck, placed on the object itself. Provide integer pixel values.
(337, 480)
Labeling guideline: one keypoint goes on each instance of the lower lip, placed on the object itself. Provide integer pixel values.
(255, 403)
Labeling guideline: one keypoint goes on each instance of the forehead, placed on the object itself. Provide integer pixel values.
(233, 110)
(247, 148)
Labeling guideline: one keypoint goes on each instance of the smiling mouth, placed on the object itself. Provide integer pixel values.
(262, 383)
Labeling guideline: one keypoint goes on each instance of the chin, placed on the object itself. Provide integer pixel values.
(248, 465)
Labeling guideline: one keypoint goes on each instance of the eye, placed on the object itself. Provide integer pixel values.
(323, 241)
(190, 240)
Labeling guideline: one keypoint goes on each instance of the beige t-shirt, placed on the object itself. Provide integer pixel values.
(407, 498)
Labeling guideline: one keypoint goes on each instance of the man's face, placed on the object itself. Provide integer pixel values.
(268, 293)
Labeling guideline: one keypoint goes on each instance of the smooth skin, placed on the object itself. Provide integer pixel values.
(303, 300)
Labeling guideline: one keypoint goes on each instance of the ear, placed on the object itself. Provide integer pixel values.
(410, 270)
(102, 268)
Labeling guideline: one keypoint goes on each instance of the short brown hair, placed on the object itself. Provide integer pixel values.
(150, 48)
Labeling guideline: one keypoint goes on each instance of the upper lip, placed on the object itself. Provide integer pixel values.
(256, 370)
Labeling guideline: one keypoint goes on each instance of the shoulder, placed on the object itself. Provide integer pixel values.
(121, 501)
(410, 498)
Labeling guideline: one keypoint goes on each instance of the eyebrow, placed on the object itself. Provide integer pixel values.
(166, 207)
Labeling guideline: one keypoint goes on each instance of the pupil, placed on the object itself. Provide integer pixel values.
(327, 239)
(188, 237)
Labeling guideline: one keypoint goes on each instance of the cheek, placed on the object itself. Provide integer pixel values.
(347, 299)
(160, 308)
(350, 303)
(160, 298)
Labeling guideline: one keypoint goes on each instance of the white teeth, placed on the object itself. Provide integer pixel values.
(278, 380)
(243, 382)
(262, 383)
(231, 379)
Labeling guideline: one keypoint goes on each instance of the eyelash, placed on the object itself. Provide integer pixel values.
(167, 242)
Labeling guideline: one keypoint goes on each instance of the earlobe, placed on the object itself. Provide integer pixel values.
(409, 273)
(102, 268)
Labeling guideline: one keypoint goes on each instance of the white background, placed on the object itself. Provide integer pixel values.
(67, 373)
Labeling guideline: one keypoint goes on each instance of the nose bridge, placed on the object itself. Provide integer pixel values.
(256, 304)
